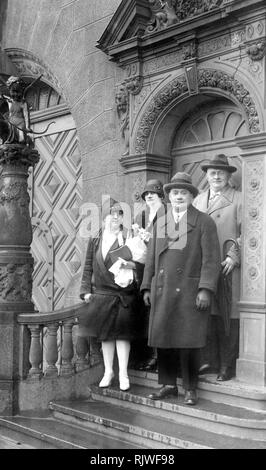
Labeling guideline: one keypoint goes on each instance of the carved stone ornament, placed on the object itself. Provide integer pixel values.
(257, 51)
(207, 78)
(134, 84)
(253, 265)
(17, 154)
(165, 13)
(16, 282)
(122, 106)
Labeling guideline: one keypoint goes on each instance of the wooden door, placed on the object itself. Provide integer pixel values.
(56, 195)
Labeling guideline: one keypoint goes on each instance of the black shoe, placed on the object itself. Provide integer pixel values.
(165, 391)
(224, 374)
(150, 365)
(204, 368)
(190, 397)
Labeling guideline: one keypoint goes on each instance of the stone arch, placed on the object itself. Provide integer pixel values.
(30, 66)
(215, 81)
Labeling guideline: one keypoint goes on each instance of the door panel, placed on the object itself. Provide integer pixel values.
(56, 188)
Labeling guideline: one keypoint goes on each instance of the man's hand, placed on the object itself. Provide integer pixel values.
(203, 300)
(147, 298)
(228, 265)
(87, 297)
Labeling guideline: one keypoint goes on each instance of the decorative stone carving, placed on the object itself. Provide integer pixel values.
(253, 252)
(189, 51)
(29, 65)
(163, 15)
(168, 12)
(207, 78)
(122, 104)
(16, 261)
(223, 81)
(134, 78)
(257, 51)
(16, 282)
(168, 93)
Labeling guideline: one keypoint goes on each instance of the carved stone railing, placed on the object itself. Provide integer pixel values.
(57, 357)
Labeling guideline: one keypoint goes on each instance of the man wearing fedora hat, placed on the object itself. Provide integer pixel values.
(223, 203)
(180, 276)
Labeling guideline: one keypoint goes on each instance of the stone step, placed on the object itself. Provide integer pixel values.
(49, 433)
(247, 426)
(142, 425)
(232, 392)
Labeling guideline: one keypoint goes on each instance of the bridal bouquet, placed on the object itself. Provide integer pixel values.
(135, 249)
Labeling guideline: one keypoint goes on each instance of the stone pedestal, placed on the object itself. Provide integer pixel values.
(16, 263)
(251, 365)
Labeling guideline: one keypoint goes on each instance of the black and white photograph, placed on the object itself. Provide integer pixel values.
(132, 228)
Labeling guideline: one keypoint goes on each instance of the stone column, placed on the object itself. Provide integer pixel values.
(16, 263)
(251, 365)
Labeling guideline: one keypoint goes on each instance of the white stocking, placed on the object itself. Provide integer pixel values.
(123, 349)
(108, 349)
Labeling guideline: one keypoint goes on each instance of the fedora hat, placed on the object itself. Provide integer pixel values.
(153, 186)
(220, 162)
(183, 181)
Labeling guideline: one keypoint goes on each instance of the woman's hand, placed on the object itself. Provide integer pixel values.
(127, 264)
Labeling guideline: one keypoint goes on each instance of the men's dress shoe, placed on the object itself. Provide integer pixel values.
(106, 380)
(224, 374)
(190, 397)
(124, 383)
(150, 365)
(165, 391)
(204, 368)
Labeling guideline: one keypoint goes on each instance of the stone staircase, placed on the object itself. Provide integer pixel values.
(229, 415)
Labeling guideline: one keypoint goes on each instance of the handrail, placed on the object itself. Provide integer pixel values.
(56, 315)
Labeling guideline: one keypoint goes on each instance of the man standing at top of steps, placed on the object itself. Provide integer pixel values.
(180, 277)
(224, 204)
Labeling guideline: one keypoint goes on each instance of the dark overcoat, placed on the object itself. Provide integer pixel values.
(112, 310)
(180, 261)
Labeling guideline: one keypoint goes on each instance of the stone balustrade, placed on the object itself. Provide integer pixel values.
(48, 343)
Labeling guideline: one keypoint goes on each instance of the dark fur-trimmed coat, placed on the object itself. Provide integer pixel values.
(180, 261)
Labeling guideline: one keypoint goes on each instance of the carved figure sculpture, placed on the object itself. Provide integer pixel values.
(15, 124)
(121, 100)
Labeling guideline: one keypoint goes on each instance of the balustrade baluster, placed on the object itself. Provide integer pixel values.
(67, 367)
(51, 350)
(82, 349)
(35, 355)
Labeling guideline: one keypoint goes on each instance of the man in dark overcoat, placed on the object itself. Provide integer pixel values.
(180, 277)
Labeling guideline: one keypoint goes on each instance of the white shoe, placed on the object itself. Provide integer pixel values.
(124, 383)
(106, 380)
